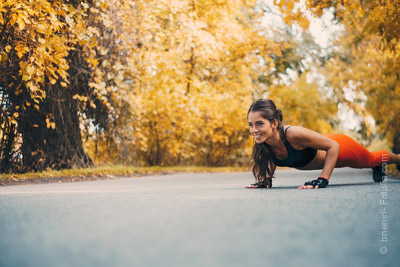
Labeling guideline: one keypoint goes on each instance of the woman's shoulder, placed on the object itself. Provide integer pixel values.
(294, 132)
(293, 128)
(298, 136)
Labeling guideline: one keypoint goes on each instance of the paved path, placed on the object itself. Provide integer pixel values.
(202, 220)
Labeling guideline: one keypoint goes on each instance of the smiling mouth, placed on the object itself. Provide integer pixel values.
(256, 136)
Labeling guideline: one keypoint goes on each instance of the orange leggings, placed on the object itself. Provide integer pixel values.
(354, 155)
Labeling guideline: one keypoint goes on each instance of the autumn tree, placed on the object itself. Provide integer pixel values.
(368, 63)
(192, 67)
(144, 82)
(46, 82)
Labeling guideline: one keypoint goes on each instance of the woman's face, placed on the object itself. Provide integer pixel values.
(260, 128)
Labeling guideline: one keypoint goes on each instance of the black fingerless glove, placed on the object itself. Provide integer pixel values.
(321, 182)
(259, 185)
(267, 183)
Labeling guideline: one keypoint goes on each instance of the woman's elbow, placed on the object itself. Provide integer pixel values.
(335, 146)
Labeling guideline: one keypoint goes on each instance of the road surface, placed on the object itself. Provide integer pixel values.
(203, 220)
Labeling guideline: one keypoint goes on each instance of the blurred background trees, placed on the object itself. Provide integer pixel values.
(363, 70)
(151, 82)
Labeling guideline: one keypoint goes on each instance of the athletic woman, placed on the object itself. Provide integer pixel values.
(304, 149)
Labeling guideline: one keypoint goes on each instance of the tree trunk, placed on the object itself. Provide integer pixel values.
(396, 142)
(45, 147)
(38, 135)
(51, 136)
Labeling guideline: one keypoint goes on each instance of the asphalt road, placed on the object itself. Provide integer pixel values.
(203, 220)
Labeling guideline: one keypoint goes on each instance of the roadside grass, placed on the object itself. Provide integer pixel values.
(109, 171)
(392, 172)
(112, 171)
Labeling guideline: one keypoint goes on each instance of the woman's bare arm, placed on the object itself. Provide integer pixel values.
(303, 137)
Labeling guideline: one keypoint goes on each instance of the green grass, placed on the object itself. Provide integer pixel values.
(105, 172)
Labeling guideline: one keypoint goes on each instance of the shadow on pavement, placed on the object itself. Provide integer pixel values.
(330, 185)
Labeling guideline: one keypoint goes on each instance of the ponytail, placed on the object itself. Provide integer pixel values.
(262, 167)
(280, 116)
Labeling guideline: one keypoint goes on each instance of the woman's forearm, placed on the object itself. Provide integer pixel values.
(330, 161)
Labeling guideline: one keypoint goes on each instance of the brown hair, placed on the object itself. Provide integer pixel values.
(262, 154)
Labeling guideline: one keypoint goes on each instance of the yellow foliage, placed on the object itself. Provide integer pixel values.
(292, 12)
(40, 44)
(302, 103)
(368, 83)
(191, 66)
(368, 62)
(175, 78)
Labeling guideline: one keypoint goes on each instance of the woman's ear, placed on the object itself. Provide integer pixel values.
(275, 124)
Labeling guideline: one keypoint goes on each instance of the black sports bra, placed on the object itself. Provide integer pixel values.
(296, 158)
